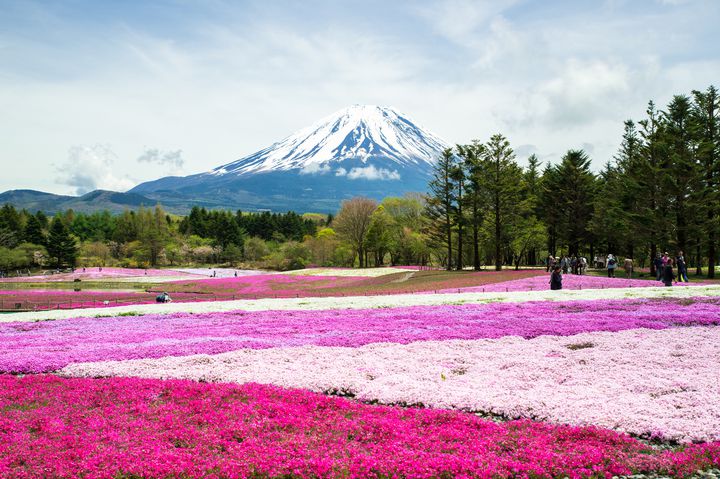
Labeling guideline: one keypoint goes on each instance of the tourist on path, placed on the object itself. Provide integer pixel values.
(657, 262)
(556, 279)
(565, 264)
(611, 265)
(628, 268)
(681, 268)
(668, 274)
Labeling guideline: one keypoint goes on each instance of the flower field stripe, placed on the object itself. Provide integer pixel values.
(570, 281)
(349, 272)
(652, 383)
(362, 302)
(126, 427)
(109, 273)
(48, 346)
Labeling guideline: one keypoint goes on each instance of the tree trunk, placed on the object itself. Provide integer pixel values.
(711, 257)
(498, 232)
(448, 225)
(476, 247)
(459, 265)
(698, 258)
(653, 254)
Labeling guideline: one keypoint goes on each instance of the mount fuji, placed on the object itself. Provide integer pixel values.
(360, 150)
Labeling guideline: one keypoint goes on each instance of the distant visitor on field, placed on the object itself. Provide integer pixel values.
(681, 268)
(668, 275)
(628, 266)
(556, 278)
(611, 265)
(163, 298)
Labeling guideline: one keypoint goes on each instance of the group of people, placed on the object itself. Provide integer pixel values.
(664, 265)
(574, 264)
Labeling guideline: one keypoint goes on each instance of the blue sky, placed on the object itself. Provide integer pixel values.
(107, 94)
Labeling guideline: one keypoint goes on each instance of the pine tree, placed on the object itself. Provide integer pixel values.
(680, 173)
(474, 193)
(574, 194)
(61, 245)
(457, 175)
(653, 203)
(706, 116)
(441, 202)
(500, 183)
(34, 232)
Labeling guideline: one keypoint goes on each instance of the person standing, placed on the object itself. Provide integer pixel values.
(668, 275)
(611, 265)
(550, 263)
(681, 268)
(565, 264)
(556, 279)
(628, 265)
(657, 262)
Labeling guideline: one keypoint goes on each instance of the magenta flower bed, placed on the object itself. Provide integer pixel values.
(95, 273)
(570, 281)
(265, 285)
(51, 345)
(37, 299)
(67, 428)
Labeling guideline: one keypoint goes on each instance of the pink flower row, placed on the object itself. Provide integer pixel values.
(94, 273)
(66, 428)
(51, 345)
(570, 281)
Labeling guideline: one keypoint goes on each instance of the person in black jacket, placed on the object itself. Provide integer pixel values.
(556, 278)
(681, 268)
(668, 276)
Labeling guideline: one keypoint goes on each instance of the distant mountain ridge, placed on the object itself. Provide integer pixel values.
(112, 201)
(361, 150)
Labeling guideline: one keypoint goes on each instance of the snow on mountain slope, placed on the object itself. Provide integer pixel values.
(373, 140)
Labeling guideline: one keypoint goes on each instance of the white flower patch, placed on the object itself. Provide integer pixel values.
(653, 383)
(346, 272)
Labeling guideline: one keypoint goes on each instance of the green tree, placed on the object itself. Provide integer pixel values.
(475, 194)
(440, 203)
(353, 222)
(34, 231)
(61, 246)
(503, 195)
(574, 195)
(706, 116)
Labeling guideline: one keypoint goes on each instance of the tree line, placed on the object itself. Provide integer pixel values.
(146, 237)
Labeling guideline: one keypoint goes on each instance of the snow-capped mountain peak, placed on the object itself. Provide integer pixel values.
(370, 139)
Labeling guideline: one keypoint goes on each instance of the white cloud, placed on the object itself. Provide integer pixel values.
(90, 168)
(340, 172)
(173, 159)
(584, 89)
(315, 169)
(372, 173)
